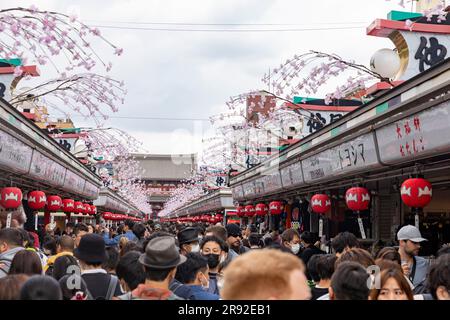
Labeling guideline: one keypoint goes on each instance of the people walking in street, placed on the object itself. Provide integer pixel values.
(325, 269)
(291, 240)
(234, 238)
(214, 250)
(41, 288)
(392, 286)
(349, 282)
(91, 254)
(11, 242)
(11, 285)
(308, 241)
(414, 267)
(112, 260)
(344, 241)
(160, 262)
(254, 241)
(79, 231)
(65, 246)
(265, 274)
(128, 233)
(439, 278)
(66, 264)
(129, 271)
(26, 262)
(194, 273)
(188, 240)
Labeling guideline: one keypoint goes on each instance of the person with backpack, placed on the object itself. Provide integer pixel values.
(91, 253)
(64, 247)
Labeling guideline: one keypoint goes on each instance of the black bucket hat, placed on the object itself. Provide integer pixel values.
(91, 249)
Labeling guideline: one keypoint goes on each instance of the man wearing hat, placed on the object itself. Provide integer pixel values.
(234, 237)
(91, 253)
(414, 267)
(160, 262)
(188, 240)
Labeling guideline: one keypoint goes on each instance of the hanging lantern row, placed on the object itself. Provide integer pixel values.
(261, 209)
(118, 217)
(11, 198)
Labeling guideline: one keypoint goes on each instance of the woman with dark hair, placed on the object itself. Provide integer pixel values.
(65, 265)
(49, 246)
(214, 250)
(112, 260)
(10, 286)
(389, 253)
(41, 288)
(393, 286)
(26, 262)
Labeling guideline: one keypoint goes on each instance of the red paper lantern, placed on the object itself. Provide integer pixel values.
(250, 210)
(357, 199)
(275, 207)
(79, 207)
(37, 200)
(320, 203)
(219, 218)
(10, 198)
(87, 209)
(261, 209)
(54, 203)
(107, 215)
(416, 192)
(93, 209)
(68, 205)
(240, 210)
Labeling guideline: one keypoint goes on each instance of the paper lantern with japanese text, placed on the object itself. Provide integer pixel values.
(37, 200)
(357, 199)
(416, 192)
(54, 203)
(261, 209)
(250, 210)
(68, 205)
(275, 207)
(320, 203)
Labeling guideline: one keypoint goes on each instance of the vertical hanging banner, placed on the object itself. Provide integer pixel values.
(36, 219)
(361, 228)
(8, 220)
(320, 228)
(416, 220)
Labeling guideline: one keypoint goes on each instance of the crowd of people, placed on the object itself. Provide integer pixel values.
(171, 261)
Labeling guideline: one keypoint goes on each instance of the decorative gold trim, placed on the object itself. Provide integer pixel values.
(402, 49)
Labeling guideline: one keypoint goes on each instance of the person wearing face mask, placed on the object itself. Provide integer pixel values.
(188, 240)
(291, 240)
(194, 274)
(214, 250)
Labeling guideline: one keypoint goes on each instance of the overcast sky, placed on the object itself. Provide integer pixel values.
(192, 74)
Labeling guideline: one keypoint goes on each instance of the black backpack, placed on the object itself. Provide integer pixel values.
(113, 283)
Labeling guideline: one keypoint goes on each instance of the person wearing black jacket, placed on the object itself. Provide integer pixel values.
(92, 253)
(308, 239)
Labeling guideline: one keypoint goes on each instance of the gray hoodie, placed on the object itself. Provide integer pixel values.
(6, 259)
